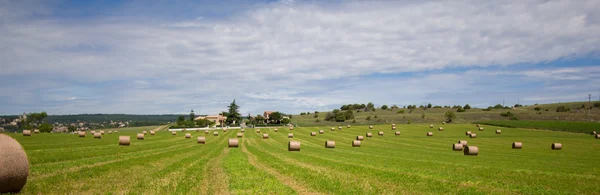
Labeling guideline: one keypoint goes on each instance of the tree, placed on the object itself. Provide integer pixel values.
(537, 108)
(467, 106)
(498, 106)
(285, 121)
(394, 106)
(329, 116)
(233, 113)
(562, 109)
(368, 118)
(180, 120)
(429, 105)
(192, 115)
(72, 128)
(384, 107)
(275, 117)
(370, 107)
(259, 119)
(45, 127)
(449, 116)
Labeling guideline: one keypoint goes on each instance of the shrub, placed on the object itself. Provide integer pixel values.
(513, 118)
(329, 116)
(507, 114)
(400, 112)
(562, 109)
(460, 110)
(423, 115)
(340, 118)
(317, 120)
(437, 107)
(353, 120)
(597, 104)
(368, 118)
(467, 106)
(384, 107)
(286, 121)
(302, 113)
(408, 122)
(498, 106)
(449, 116)
(537, 108)
(547, 109)
(316, 116)
(487, 109)
(375, 116)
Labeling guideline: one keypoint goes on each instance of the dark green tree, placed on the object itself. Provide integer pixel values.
(192, 115)
(467, 106)
(275, 117)
(449, 116)
(429, 105)
(233, 113)
(384, 107)
(45, 127)
(72, 128)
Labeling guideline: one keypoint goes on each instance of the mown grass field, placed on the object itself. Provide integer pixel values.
(410, 163)
(570, 126)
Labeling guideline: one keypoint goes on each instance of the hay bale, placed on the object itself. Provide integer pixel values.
(463, 142)
(429, 133)
(97, 135)
(397, 133)
(14, 166)
(355, 143)
(124, 141)
(174, 133)
(478, 125)
(224, 130)
(243, 131)
(145, 132)
(275, 130)
(291, 127)
(556, 146)
(333, 128)
(140, 136)
(339, 127)
(92, 132)
(26, 132)
(473, 135)
(233, 143)
(240, 135)
(371, 127)
(369, 135)
(471, 150)
(360, 138)
(152, 132)
(294, 146)
(184, 129)
(290, 135)
(457, 147)
(36, 131)
(347, 126)
(265, 136)
(593, 133)
(329, 144)
(380, 133)
(102, 132)
(313, 133)
(517, 145)
(393, 125)
(443, 122)
(430, 126)
(109, 132)
(394, 128)
(321, 131)
(201, 139)
(216, 133)
(116, 131)
(480, 128)
(188, 135)
(498, 131)
(597, 136)
(258, 131)
(440, 128)
(206, 132)
(468, 133)
(81, 134)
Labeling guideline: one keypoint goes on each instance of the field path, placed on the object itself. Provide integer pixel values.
(216, 181)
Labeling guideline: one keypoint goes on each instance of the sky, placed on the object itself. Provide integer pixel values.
(168, 57)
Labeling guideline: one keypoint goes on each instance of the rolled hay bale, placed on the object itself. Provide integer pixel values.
(109, 132)
(243, 131)
(371, 127)
(321, 131)
(201, 139)
(478, 125)
(188, 135)
(294, 146)
(369, 134)
(347, 126)
(360, 138)
(597, 136)
(258, 131)
(430, 126)
(394, 128)
(102, 132)
(393, 124)
(216, 133)
(206, 132)
(313, 133)
(152, 132)
(380, 133)
(124, 140)
(480, 128)
(329, 144)
(145, 132)
(333, 128)
(240, 135)
(468, 133)
(594, 133)
(339, 127)
(265, 136)
(463, 142)
(116, 131)
(174, 133)
(355, 143)
(233, 143)
(498, 131)
(397, 133)
(443, 122)
(36, 131)
(97, 135)
(140, 136)
(290, 135)
(429, 133)
(440, 128)
(291, 127)
(14, 166)
(517, 145)
(26, 132)
(457, 147)
(92, 132)
(471, 150)
(275, 130)
(473, 135)
(556, 146)
(81, 134)
(224, 130)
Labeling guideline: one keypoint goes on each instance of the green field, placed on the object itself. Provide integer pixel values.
(570, 126)
(410, 163)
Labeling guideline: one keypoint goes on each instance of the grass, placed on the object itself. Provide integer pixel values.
(410, 163)
(570, 126)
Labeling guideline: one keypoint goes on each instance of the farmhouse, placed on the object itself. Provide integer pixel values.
(217, 119)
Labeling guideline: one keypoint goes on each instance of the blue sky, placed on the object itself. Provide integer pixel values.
(159, 57)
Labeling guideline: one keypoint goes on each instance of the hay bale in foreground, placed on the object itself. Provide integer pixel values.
(201, 139)
(356, 143)
(517, 145)
(233, 143)
(457, 147)
(440, 128)
(152, 132)
(140, 136)
(556, 146)
(429, 133)
(14, 166)
(443, 122)
(313, 133)
(360, 138)
(321, 131)
(36, 131)
(473, 135)
(498, 131)
(471, 150)
(109, 132)
(329, 144)
(468, 133)
(463, 142)
(369, 134)
(380, 133)
(174, 133)
(290, 135)
(26, 132)
(124, 141)
(397, 133)
(294, 146)
(339, 127)
(216, 133)
(240, 135)
(81, 134)
(291, 127)
(97, 135)
(265, 136)
(188, 135)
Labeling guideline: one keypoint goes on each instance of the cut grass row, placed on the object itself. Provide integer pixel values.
(569, 126)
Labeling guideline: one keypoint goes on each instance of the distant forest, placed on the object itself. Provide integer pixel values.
(98, 118)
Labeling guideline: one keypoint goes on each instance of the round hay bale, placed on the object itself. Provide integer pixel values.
(393, 124)
(265, 136)
(313, 133)
(355, 143)
(468, 133)
(116, 131)
(201, 139)
(140, 136)
(360, 138)
(430, 126)
(457, 147)
(102, 132)
(290, 135)
(294, 146)
(333, 128)
(188, 135)
(275, 130)
(440, 128)
(258, 131)
(498, 131)
(473, 135)
(517, 145)
(97, 135)
(443, 122)
(81, 134)
(394, 128)
(14, 166)
(26, 132)
(347, 126)
(339, 127)
(240, 134)
(380, 133)
(144, 132)
(369, 134)
(371, 127)
(556, 146)
(480, 128)
(463, 142)
(397, 133)
(224, 130)
(233, 143)
(92, 132)
(321, 131)
(291, 127)
(597, 136)
(471, 150)
(216, 133)
(124, 141)
(36, 131)
(206, 132)
(152, 132)
(429, 133)
(243, 131)
(477, 125)
(329, 144)
(174, 133)
(109, 132)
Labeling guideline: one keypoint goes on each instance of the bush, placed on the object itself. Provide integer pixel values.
(286, 121)
(467, 106)
(353, 120)
(400, 112)
(340, 118)
(547, 109)
(384, 107)
(368, 118)
(562, 109)
(507, 114)
(317, 120)
(329, 116)
(302, 113)
(498, 106)
(423, 115)
(45, 127)
(487, 109)
(597, 104)
(449, 116)
(316, 116)
(537, 108)
(408, 122)
(513, 118)
(375, 116)
(460, 110)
